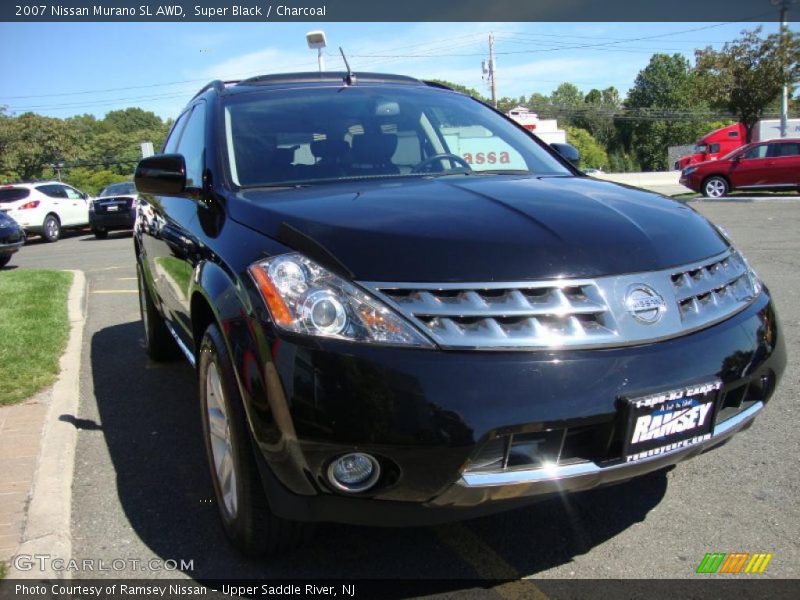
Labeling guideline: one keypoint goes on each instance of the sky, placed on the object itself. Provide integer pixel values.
(64, 69)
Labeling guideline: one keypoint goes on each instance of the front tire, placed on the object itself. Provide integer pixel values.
(4, 260)
(715, 187)
(246, 517)
(51, 228)
(158, 342)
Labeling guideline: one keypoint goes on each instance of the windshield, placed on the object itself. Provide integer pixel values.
(700, 149)
(115, 189)
(302, 136)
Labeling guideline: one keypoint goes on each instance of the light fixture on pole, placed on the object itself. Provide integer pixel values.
(316, 40)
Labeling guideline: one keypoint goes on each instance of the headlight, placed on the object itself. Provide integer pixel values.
(303, 297)
(688, 171)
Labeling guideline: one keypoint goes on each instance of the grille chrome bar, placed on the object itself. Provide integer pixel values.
(572, 313)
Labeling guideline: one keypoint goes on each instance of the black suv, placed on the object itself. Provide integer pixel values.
(404, 308)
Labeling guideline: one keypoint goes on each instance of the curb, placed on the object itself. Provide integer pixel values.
(47, 526)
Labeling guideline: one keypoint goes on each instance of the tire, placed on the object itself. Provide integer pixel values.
(51, 228)
(715, 187)
(158, 343)
(4, 260)
(100, 234)
(248, 522)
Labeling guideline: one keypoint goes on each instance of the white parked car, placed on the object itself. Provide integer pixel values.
(45, 207)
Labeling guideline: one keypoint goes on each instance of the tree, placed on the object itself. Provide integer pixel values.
(130, 120)
(593, 156)
(666, 90)
(598, 118)
(567, 101)
(749, 73)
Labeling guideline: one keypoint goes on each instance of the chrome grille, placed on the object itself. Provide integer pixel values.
(551, 314)
(572, 313)
(712, 289)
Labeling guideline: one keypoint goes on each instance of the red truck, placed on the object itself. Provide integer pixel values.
(721, 141)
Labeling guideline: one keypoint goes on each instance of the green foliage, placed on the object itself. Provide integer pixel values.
(92, 181)
(667, 83)
(593, 155)
(109, 147)
(748, 74)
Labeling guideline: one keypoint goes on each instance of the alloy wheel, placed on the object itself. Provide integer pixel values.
(219, 433)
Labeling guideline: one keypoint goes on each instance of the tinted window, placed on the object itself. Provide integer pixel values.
(713, 148)
(358, 132)
(54, 191)
(756, 152)
(733, 134)
(785, 149)
(192, 145)
(13, 194)
(116, 189)
(171, 143)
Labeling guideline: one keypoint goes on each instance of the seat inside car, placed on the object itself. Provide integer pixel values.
(372, 154)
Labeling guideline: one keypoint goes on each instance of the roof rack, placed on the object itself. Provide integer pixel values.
(217, 85)
(436, 84)
(325, 76)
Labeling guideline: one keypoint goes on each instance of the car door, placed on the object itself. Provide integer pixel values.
(56, 198)
(751, 169)
(76, 206)
(784, 163)
(171, 248)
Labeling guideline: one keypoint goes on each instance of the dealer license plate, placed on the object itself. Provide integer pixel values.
(670, 420)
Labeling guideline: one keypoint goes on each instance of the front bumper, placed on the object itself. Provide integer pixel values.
(426, 415)
(11, 241)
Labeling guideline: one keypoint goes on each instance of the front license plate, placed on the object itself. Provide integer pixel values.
(666, 421)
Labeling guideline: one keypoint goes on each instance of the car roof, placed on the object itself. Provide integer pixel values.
(312, 78)
(30, 184)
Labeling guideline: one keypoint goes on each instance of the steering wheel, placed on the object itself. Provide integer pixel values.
(420, 167)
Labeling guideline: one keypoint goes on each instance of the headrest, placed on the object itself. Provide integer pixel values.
(330, 149)
(374, 148)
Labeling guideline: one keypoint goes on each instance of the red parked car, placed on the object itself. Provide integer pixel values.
(761, 165)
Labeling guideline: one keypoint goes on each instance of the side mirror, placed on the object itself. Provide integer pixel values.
(163, 174)
(569, 152)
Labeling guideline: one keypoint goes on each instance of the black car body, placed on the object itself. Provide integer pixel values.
(12, 237)
(114, 209)
(387, 334)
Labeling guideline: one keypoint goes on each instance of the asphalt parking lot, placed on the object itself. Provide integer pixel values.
(141, 488)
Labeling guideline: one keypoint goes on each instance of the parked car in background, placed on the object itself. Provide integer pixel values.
(113, 209)
(385, 333)
(773, 165)
(720, 142)
(12, 236)
(45, 208)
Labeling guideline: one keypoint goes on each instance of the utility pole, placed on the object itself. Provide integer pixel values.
(489, 74)
(784, 4)
(492, 74)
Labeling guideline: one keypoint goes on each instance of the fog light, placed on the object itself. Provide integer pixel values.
(354, 472)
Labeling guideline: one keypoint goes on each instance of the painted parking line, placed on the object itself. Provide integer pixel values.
(115, 291)
(487, 563)
(125, 278)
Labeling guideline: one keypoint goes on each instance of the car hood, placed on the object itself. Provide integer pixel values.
(482, 228)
